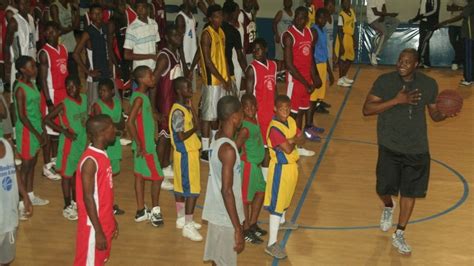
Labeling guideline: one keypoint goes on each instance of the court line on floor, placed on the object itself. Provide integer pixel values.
(312, 176)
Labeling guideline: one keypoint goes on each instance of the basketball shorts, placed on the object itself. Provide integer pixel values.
(211, 94)
(86, 251)
(115, 163)
(27, 145)
(187, 173)
(69, 154)
(147, 166)
(252, 181)
(164, 102)
(348, 42)
(297, 93)
(219, 245)
(404, 174)
(281, 185)
(320, 93)
(7, 247)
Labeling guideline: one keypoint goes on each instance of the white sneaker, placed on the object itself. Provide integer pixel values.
(465, 83)
(70, 213)
(168, 171)
(190, 232)
(156, 218)
(50, 173)
(21, 211)
(341, 82)
(305, 152)
(74, 204)
(373, 59)
(398, 241)
(37, 201)
(181, 221)
(348, 80)
(386, 218)
(454, 67)
(125, 142)
(167, 185)
(145, 216)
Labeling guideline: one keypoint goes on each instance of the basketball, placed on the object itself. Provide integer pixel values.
(449, 102)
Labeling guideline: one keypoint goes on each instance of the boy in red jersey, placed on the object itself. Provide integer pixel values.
(95, 196)
(302, 77)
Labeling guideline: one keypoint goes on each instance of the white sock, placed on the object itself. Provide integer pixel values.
(273, 226)
(205, 144)
(31, 195)
(265, 173)
(282, 219)
(213, 133)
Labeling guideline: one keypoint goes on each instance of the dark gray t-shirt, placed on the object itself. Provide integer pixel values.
(403, 127)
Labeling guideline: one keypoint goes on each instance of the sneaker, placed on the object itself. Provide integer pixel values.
(276, 251)
(125, 142)
(21, 211)
(117, 210)
(324, 104)
(454, 67)
(181, 221)
(348, 80)
(321, 110)
(287, 225)
(398, 241)
(37, 201)
(142, 215)
(305, 152)
(342, 83)
(205, 156)
(190, 232)
(167, 185)
(373, 59)
(310, 134)
(252, 238)
(465, 83)
(155, 217)
(168, 171)
(74, 204)
(386, 218)
(258, 231)
(50, 173)
(70, 213)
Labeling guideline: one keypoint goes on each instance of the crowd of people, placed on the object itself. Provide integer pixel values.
(250, 135)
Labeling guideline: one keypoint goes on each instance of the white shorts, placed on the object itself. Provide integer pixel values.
(220, 245)
(7, 247)
(211, 94)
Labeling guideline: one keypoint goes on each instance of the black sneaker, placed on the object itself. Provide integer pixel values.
(117, 210)
(322, 110)
(257, 230)
(252, 238)
(324, 104)
(205, 156)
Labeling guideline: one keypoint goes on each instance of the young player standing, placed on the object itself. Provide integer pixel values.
(345, 45)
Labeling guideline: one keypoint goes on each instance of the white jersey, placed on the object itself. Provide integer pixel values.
(24, 41)
(8, 191)
(189, 40)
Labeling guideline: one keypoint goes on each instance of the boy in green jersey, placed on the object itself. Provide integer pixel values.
(72, 113)
(142, 128)
(252, 152)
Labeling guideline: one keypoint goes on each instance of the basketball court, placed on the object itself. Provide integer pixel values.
(335, 203)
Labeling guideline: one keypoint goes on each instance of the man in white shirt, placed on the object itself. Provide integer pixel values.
(383, 23)
(455, 8)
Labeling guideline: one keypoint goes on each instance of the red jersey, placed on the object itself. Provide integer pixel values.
(57, 71)
(302, 51)
(160, 18)
(131, 15)
(86, 251)
(264, 90)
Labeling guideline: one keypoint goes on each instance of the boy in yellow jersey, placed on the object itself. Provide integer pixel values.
(183, 126)
(282, 137)
(346, 51)
(214, 73)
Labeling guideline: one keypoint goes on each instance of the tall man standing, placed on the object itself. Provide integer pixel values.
(399, 99)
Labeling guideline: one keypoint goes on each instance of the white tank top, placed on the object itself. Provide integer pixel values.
(8, 191)
(189, 40)
(24, 38)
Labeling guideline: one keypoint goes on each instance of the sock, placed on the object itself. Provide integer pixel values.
(67, 201)
(282, 218)
(400, 227)
(31, 195)
(180, 209)
(213, 133)
(389, 205)
(265, 173)
(188, 218)
(273, 226)
(205, 144)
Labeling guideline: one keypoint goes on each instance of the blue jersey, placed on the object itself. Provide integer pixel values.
(321, 48)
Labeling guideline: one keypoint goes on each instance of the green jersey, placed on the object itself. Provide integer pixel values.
(74, 115)
(145, 124)
(115, 112)
(253, 150)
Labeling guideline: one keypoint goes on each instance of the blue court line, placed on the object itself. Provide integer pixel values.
(312, 176)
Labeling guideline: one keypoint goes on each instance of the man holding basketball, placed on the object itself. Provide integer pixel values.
(399, 99)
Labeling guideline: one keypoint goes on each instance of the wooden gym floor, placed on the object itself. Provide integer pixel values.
(335, 202)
